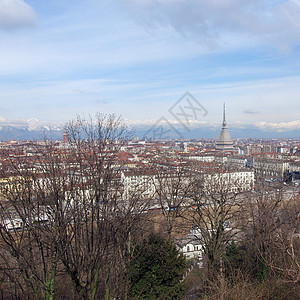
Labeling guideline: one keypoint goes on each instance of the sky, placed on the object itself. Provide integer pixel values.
(138, 58)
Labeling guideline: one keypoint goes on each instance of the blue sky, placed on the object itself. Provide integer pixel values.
(136, 58)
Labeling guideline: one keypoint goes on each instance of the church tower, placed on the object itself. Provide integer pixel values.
(224, 141)
(66, 137)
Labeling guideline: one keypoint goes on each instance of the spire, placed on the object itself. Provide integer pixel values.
(224, 141)
(224, 124)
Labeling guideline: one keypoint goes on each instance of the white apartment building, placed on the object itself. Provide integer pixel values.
(270, 168)
(139, 182)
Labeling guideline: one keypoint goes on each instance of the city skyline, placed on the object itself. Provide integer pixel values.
(137, 58)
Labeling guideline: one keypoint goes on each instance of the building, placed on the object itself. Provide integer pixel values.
(190, 245)
(66, 137)
(270, 168)
(224, 142)
(239, 161)
(230, 181)
(190, 248)
(139, 182)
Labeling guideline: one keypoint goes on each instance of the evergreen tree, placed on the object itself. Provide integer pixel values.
(156, 270)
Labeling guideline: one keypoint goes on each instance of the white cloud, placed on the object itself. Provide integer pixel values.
(263, 126)
(16, 13)
(215, 22)
(250, 111)
(31, 123)
(280, 126)
(77, 62)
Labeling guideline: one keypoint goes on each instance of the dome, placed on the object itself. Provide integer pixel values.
(224, 141)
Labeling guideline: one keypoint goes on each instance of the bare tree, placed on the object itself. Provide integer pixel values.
(217, 203)
(172, 191)
(30, 225)
(273, 233)
(92, 189)
(71, 207)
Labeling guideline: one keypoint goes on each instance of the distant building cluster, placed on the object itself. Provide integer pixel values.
(139, 165)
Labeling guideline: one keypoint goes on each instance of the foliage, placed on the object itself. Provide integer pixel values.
(156, 270)
(262, 269)
(234, 257)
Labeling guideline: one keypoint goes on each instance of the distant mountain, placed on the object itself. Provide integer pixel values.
(245, 131)
(26, 133)
(152, 132)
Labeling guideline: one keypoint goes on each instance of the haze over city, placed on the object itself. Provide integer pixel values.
(137, 58)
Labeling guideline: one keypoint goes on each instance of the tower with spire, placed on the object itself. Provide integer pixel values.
(224, 142)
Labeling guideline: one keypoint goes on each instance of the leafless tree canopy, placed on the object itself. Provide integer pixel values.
(69, 213)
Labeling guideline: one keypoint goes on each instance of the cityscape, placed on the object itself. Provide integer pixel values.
(195, 193)
(149, 150)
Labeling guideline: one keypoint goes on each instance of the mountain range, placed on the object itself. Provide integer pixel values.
(246, 131)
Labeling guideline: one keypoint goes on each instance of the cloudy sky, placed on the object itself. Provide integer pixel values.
(137, 58)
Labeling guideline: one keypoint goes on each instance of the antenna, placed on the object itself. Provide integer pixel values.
(224, 118)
